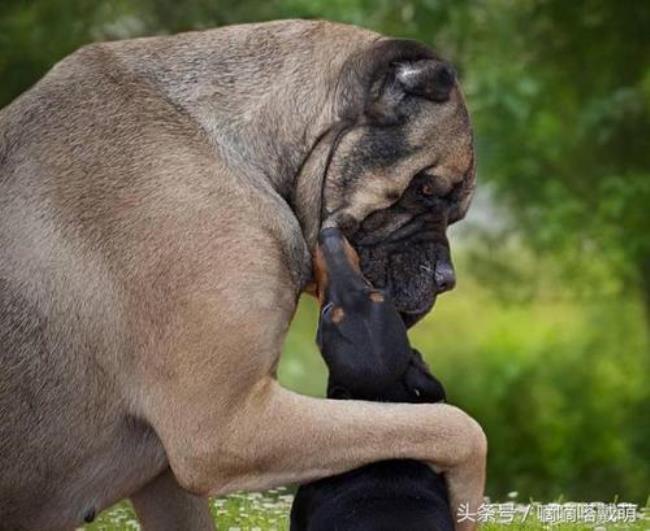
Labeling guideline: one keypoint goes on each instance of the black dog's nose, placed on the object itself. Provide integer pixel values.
(444, 277)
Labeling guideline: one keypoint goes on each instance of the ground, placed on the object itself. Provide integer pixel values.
(269, 511)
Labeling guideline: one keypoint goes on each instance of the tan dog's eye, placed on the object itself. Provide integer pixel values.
(432, 185)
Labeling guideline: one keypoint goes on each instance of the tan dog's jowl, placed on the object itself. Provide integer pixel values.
(159, 202)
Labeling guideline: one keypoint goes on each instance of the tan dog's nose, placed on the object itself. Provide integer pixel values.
(444, 277)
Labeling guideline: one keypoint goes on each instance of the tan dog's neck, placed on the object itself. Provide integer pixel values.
(275, 118)
(307, 194)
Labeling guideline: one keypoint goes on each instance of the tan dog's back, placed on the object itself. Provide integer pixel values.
(114, 210)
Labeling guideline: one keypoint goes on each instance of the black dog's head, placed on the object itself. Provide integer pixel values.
(416, 385)
(362, 336)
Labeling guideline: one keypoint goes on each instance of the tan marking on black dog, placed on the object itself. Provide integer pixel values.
(375, 296)
(337, 315)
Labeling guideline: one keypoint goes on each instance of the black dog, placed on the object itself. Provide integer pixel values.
(364, 343)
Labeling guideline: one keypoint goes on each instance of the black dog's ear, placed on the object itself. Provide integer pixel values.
(420, 382)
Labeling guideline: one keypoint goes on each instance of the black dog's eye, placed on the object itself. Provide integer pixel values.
(326, 309)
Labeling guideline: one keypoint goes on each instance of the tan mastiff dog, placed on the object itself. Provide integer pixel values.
(159, 201)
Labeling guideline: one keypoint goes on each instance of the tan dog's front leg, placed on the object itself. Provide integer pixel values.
(162, 505)
(204, 383)
(279, 437)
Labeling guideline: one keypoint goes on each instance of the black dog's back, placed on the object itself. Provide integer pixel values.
(394, 495)
(365, 346)
(385, 496)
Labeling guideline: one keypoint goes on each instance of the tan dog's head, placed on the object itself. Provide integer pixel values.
(402, 171)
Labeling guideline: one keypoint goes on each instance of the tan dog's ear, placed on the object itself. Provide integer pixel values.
(372, 86)
(427, 78)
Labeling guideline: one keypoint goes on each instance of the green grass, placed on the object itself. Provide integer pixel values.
(269, 511)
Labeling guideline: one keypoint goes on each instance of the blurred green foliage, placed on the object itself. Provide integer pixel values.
(545, 340)
(559, 384)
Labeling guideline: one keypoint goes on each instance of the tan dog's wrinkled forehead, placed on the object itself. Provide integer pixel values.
(415, 120)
